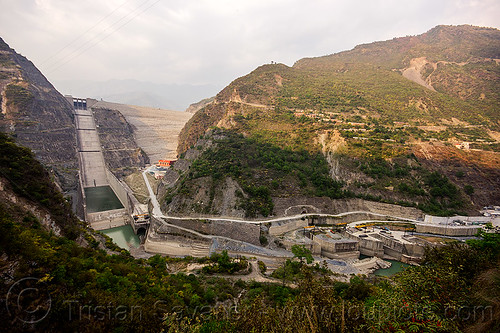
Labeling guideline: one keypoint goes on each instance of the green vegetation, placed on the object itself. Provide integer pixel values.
(444, 196)
(299, 251)
(430, 297)
(82, 281)
(23, 172)
(381, 116)
(444, 294)
(262, 266)
(262, 170)
(6, 61)
(91, 290)
(18, 96)
(431, 192)
(223, 264)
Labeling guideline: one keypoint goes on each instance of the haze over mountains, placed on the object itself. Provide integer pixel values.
(165, 96)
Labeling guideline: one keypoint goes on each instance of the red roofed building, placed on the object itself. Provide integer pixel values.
(165, 163)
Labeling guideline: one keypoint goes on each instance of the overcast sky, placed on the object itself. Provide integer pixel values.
(210, 41)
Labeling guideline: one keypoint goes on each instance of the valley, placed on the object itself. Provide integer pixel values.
(188, 235)
(155, 130)
(290, 188)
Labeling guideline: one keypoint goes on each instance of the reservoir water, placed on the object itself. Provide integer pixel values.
(123, 236)
(396, 267)
(101, 198)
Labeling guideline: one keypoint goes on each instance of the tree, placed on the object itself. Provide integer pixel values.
(299, 251)
(468, 189)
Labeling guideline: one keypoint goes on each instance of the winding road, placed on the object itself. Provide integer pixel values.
(158, 213)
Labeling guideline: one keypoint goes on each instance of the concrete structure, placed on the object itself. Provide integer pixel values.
(108, 219)
(448, 230)
(492, 216)
(78, 103)
(92, 167)
(388, 245)
(463, 145)
(282, 227)
(400, 249)
(292, 223)
(165, 163)
(333, 245)
(493, 211)
(157, 172)
(368, 245)
(245, 232)
(93, 173)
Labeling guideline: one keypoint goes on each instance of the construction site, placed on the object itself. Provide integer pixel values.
(128, 211)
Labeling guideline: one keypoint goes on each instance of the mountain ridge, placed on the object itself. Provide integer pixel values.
(38, 116)
(244, 87)
(377, 120)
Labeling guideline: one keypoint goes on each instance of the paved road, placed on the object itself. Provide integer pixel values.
(157, 212)
(236, 244)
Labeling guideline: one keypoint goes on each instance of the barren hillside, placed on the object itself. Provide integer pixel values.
(156, 131)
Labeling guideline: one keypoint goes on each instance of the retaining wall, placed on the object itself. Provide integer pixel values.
(279, 228)
(108, 219)
(245, 232)
(80, 205)
(119, 190)
(447, 230)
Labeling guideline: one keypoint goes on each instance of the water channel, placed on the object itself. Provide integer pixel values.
(123, 236)
(101, 198)
(396, 267)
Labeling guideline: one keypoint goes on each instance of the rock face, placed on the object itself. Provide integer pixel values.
(120, 150)
(156, 130)
(193, 108)
(38, 116)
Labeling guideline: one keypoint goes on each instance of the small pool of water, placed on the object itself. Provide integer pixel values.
(396, 267)
(101, 198)
(123, 236)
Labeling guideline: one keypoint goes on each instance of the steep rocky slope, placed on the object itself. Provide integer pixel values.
(371, 111)
(37, 115)
(193, 108)
(155, 130)
(460, 63)
(121, 153)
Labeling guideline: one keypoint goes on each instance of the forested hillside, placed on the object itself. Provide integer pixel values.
(389, 117)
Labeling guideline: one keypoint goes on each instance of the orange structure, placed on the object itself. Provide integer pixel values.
(165, 163)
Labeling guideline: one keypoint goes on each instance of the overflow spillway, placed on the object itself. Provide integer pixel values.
(103, 206)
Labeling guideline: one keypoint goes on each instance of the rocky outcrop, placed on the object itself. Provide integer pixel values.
(257, 89)
(120, 150)
(193, 108)
(38, 116)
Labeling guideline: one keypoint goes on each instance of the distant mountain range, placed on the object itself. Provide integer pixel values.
(166, 96)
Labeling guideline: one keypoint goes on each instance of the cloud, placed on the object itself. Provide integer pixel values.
(210, 41)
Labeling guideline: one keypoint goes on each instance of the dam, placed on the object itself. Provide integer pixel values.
(105, 201)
